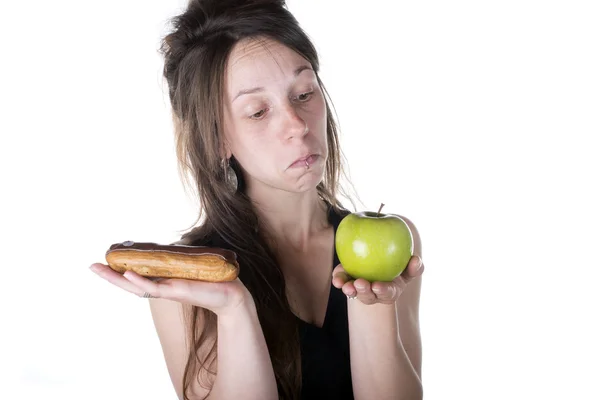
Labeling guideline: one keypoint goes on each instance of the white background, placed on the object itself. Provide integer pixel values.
(477, 120)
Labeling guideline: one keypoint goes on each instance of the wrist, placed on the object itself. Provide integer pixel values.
(356, 304)
(240, 310)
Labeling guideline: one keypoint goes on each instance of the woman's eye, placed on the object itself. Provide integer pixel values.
(258, 114)
(305, 96)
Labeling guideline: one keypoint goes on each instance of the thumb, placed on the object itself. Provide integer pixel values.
(415, 268)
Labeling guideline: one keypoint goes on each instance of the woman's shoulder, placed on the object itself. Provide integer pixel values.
(199, 237)
(337, 213)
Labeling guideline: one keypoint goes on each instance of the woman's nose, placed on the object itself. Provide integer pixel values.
(294, 125)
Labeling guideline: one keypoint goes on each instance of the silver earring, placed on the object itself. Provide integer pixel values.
(230, 176)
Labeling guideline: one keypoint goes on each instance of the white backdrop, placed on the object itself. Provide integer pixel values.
(477, 120)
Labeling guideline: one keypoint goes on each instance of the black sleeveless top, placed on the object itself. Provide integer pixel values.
(326, 350)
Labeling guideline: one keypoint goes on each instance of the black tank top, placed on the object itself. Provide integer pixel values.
(326, 350)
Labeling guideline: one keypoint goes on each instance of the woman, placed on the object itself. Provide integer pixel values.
(254, 130)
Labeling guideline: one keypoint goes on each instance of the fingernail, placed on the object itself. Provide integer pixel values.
(377, 290)
(93, 268)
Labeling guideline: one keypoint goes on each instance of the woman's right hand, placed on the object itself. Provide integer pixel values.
(220, 297)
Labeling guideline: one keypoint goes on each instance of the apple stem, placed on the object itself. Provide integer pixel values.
(380, 207)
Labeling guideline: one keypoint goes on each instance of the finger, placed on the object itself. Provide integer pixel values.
(385, 292)
(116, 278)
(349, 290)
(364, 292)
(212, 295)
(340, 276)
(146, 285)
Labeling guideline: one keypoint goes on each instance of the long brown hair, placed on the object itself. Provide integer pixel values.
(196, 51)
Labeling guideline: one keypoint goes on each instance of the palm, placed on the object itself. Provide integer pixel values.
(376, 292)
(215, 296)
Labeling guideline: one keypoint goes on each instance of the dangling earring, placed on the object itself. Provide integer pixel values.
(230, 176)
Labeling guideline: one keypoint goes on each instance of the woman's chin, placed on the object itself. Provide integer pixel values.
(307, 179)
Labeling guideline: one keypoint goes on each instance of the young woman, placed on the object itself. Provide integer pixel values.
(255, 132)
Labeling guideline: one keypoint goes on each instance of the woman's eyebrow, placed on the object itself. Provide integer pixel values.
(301, 68)
(242, 92)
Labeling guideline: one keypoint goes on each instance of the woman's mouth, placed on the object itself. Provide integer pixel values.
(305, 162)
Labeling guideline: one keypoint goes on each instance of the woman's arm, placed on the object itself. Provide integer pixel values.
(385, 339)
(244, 365)
(245, 369)
(385, 351)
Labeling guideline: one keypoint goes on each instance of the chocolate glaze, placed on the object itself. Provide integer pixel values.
(228, 255)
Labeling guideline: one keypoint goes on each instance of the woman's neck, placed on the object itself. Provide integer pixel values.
(294, 220)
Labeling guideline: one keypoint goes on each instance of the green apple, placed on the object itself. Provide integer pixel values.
(374, 246)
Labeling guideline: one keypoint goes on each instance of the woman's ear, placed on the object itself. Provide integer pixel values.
(225, 152)
(226, 144)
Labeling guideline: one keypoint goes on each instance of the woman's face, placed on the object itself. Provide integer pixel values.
(275, 114)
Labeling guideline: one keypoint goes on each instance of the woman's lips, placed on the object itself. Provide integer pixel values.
(310, 160)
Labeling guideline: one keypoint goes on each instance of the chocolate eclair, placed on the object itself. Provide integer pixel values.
(155, 260)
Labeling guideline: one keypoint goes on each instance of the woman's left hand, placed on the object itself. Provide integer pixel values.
(377, 292)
